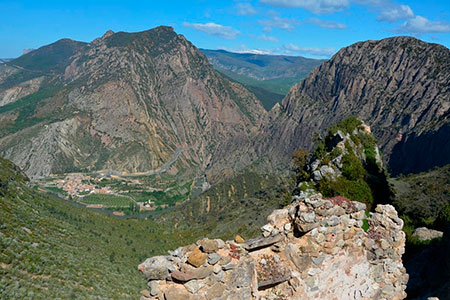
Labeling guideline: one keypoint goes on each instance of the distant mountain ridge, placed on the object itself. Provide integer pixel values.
(272, 74)
(262, 66)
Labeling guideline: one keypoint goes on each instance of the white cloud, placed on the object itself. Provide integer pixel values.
(225, 32)
(395, 13)
(314, 6)
(327, 52)
(419, 25)
(387, 10)
(264, 37)
(282, 23)
(245, 49)
(326, 24)
(268, 38)
(245, 9)
(289, 49)
(370, 2)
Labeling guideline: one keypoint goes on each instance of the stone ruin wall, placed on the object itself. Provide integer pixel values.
(314, 248)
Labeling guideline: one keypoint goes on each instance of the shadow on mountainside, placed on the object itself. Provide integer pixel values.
(429, 270)
(419, 153)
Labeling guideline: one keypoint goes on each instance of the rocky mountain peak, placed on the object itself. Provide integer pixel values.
(107, 34)
(152, 93)
(397, 85)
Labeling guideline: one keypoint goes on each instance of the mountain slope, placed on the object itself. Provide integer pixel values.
(51, 249)
(424, 197)
(51, 58)
(126, 102)
(398, 86)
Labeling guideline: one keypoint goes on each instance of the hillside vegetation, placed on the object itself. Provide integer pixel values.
(47, 242)
(424, 198)
(237, 205)
(51, 249)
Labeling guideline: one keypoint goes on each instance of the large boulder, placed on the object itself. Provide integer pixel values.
(425, 234)
(156, 268)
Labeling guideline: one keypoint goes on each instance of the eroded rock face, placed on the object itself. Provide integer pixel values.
(24, 89)
(395, 85)
(398, 86)
(314, 248)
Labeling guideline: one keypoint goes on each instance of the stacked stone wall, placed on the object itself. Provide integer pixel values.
(314, 248)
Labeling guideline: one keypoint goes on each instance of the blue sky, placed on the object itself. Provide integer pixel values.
(311, 28)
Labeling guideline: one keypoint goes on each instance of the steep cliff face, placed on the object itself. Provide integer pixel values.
(314, 248)
(398, 86)
(125, 102)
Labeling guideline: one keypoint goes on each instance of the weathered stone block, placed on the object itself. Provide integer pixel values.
(197, 257)
(156, 268)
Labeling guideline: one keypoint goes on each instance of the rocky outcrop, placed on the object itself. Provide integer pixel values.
(339, 144)
(22, 90)
(429, 270)
(314, 248)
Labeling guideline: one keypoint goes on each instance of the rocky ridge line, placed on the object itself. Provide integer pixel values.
(314, 248)
(398, 86)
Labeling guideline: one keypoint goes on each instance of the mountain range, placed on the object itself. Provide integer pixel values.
(131, 102)
(124, 102)
(148, 103)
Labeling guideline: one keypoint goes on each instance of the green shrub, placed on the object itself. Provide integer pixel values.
(367, 140)
(335, 153)
(299, 160)
(444, 214)
(365, 226)
(354, 190)
(408, 226)
(319, 151)
(353, 168)
(348, 125)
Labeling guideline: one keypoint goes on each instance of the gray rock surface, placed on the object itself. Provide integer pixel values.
(156, 268)
(425, 234)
